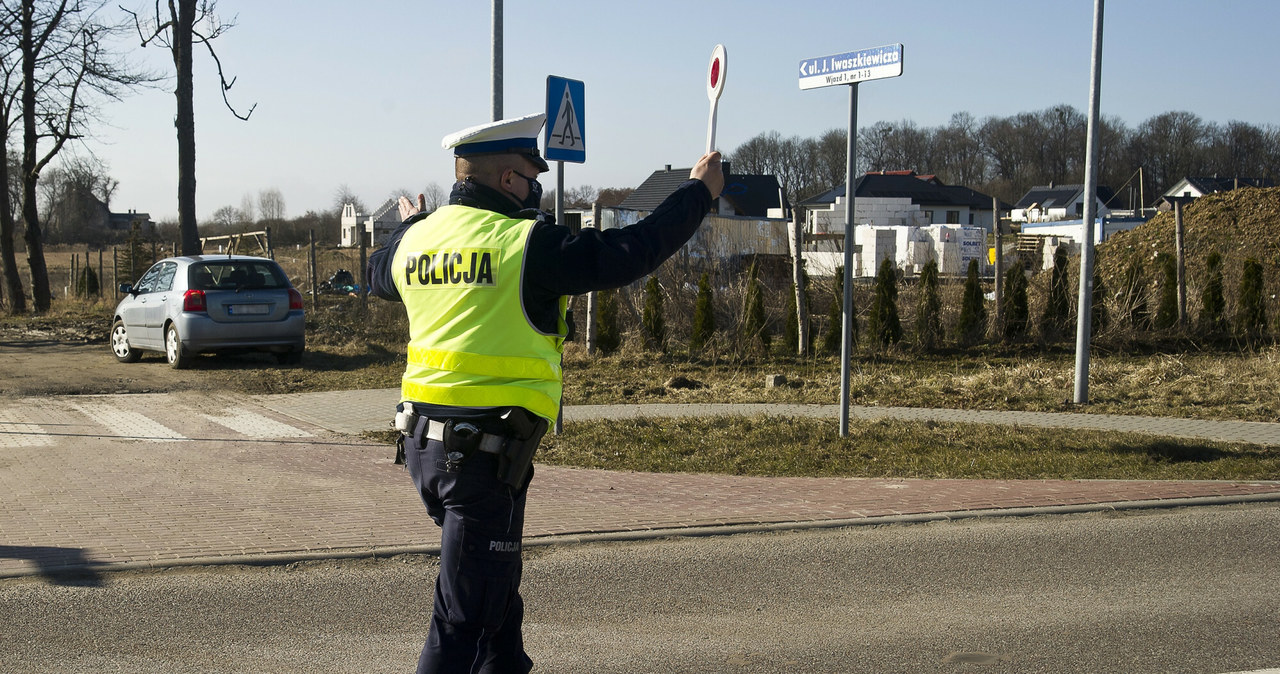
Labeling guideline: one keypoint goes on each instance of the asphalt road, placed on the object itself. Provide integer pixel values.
(1193, 590)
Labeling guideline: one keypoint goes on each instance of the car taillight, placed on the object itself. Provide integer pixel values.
(193, 300)
(295, 299)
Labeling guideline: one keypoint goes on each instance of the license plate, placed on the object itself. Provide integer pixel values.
(248, 309)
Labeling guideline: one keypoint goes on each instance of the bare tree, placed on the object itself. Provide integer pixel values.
(1171, 146)
(188, 23)
(434, 196)
(1063, 143)
(830, 163)
(224, 218)
(1239, 150)
(271, 204)
(10, 77)
(75, 200)
(55, 67)
(345, 195)
(248, 211)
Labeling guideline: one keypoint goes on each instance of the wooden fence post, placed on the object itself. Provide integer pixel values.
(311, 256)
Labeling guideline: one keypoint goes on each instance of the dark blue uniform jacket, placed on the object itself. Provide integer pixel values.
(559, 262)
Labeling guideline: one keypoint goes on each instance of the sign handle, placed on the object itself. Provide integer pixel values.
(711, 126)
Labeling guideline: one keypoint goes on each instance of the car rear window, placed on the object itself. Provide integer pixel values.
(237, 274)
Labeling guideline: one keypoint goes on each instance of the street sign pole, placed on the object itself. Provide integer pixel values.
(850, 69)
(565, 140)
(846, 341)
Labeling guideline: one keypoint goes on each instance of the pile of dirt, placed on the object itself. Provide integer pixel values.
(1240, 224)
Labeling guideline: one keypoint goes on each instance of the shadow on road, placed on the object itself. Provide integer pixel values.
(61, 566)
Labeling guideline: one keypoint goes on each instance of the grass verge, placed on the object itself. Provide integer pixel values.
(776, 446)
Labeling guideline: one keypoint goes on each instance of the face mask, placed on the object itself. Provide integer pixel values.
(534, 199)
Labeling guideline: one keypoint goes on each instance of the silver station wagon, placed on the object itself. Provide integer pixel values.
(183, 306)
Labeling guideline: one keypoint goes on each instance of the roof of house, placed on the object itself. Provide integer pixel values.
(381, 213)
(1059, 196)
(124, 220)
(750, 195)
(1211, 184)
(924, 190)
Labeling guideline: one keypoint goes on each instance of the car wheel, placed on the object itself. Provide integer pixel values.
(291, 357)
(174, 351)
(120, 344)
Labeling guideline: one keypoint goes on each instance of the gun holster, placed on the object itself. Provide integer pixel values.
(517, 455)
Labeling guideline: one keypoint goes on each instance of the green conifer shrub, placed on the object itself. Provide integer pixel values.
(704, 317)
(1057, 308)
(1213, 302)
(831, 340)
(87, 282)
(928, 321)
(1251, 315)
(884, 325)
(608, 331)
(655, 328)
(1167, 308)
(1016, 308)
(972, 325)
(1135, 296)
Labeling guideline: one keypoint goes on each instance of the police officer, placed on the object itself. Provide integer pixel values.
(485, 281)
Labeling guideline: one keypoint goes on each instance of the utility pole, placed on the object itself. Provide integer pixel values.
(497, 60)
(1085, 304)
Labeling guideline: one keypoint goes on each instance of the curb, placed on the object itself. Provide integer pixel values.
(287, 558)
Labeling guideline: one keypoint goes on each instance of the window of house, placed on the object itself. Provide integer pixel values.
(928, 217)
(953, 217)
(971, 218)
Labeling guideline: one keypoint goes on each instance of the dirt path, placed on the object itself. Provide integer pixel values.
(35, 363)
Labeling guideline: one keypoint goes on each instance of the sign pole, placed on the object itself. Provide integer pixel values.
(559, 425)
(846, 339)
(839, 69)
(565, 140)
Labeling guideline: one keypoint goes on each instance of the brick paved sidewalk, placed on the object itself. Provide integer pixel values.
(157, 480)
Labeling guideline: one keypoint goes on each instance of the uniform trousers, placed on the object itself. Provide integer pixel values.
(476, 618)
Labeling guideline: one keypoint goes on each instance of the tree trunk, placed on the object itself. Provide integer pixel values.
(12, 282)
(186, 124)
(40, 295)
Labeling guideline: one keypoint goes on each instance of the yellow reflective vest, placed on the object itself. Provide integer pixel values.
(471, 344)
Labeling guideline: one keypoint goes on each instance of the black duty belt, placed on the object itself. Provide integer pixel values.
(408, 421)
(489, 442)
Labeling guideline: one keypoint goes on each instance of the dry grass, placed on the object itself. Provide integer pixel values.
(774, 446)
(1204, 385)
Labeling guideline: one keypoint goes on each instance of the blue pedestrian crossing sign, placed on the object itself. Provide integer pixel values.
(566, 120)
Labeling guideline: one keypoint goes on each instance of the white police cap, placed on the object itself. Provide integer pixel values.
(506, 136)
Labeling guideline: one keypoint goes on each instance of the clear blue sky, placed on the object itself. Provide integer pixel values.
(360, 94)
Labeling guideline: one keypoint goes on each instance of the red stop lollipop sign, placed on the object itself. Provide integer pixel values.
(716, 71)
